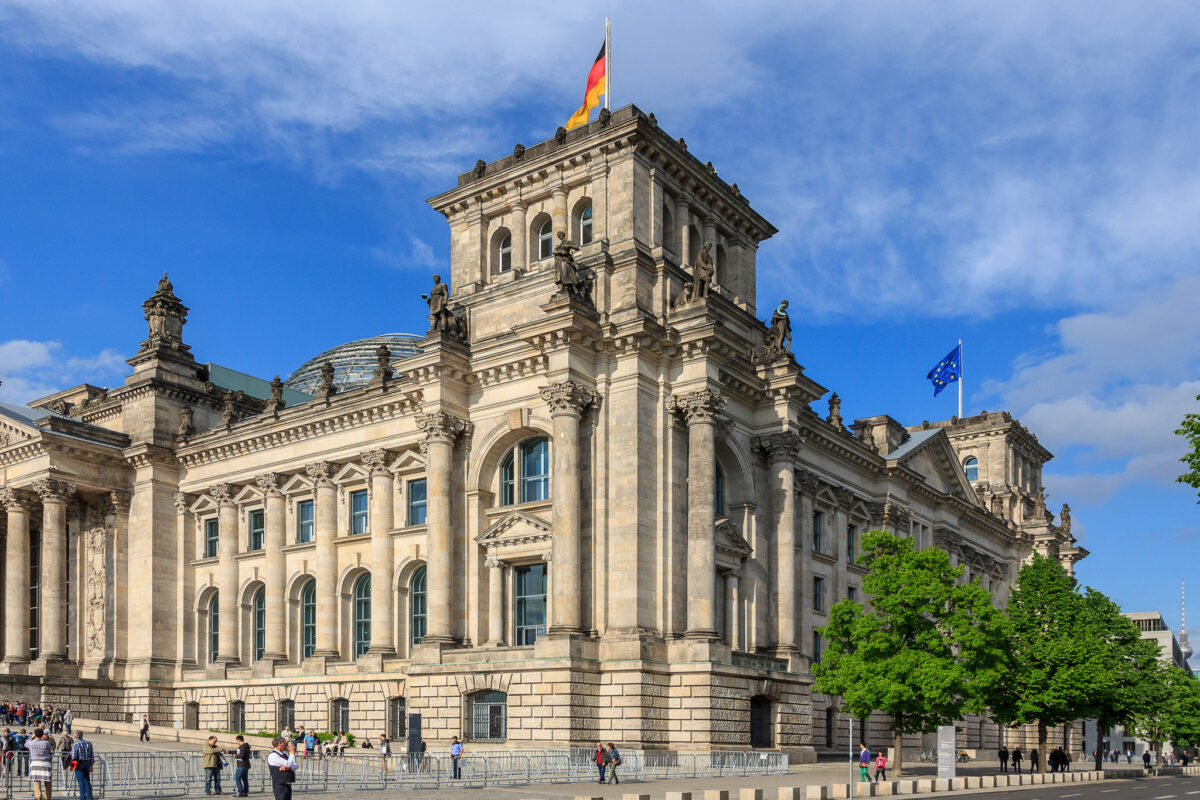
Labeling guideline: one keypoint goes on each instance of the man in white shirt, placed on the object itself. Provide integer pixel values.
(282, 765)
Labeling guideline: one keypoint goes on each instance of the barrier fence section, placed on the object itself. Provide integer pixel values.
(182, 773)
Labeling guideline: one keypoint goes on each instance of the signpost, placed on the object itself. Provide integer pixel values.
(947, 752)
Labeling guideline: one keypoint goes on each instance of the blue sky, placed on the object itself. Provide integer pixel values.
(1021, 175)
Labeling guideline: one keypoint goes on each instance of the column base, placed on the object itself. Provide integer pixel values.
(326, 652)
(564, 630)
(382, 650)
(57, 667)
(15, 666)
(445, 640)
(702, 634)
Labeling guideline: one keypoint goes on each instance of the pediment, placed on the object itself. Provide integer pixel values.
(934, 460)
(923, 464)
(12, 432)
(730, 541)
(516, 527)
(408, 461)
(297, 484)
(202, 505)
(350, 473)
(248, 494)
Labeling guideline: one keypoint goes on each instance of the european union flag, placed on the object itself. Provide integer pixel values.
(947, 371)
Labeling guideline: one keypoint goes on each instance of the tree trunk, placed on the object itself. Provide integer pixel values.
(897, 747)
(1101, 727)
(1042, 737)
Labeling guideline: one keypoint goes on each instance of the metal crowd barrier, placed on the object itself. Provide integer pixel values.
(166, 774)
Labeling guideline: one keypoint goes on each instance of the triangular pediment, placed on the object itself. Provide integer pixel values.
(408, 461)
(933, 458)
(924, 464)
(248, 494)
(203, 504)
(350, 473)
(297, 484)
(516, 527)
(730, 540)
(12, 432)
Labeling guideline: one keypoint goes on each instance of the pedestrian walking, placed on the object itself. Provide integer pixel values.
(1033, 761)
(1003, 754)
(282, 766)
(1146, 759)
(385, 750)
(614, 761)
(211, 755)
(1016, 760)
(864, 764)
(241, 768)
(82, 759)
(880, 767)
(456, 751)
(41, 765)
(1128, 756)
(601, 760)
(68, 718)
(144, 733)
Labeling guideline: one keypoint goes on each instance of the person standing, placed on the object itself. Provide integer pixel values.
(456, 751)
(241, 768)
(1128, 756)
(1016, 758)
(82, 758)
(880, 767)
(601, 760)
(68, 718)
(1003, 754)
(64, 751)
(1146, 759)
(41, 766)
(282, 766)
(614, 761)
(22, 755)
(211, 755)
(144, 733)
(864, 764)
(385, 750)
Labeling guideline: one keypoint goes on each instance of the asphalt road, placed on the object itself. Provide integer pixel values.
(1175, 787)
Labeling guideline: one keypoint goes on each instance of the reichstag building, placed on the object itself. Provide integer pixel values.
(597, 499)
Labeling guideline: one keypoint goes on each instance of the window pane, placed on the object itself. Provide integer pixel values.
(308, 619)
(818, 591)
(418, 606)
(489, 713)
(257, 528)
(585, 226)
(817, 520)
(506, 254)
(416, 502)
(530, 605)
(851, 537)
(212, 533)
(535, 470)
(358, 512)
(506, 480)
(546, 240)
(214, 625)
(362, 615)
(304, 518)
(972, 468)
(260, 623)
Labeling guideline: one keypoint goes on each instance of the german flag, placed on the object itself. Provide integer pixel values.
(596, 86)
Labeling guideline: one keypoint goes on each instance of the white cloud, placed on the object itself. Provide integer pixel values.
(418, 256)
(29, 370)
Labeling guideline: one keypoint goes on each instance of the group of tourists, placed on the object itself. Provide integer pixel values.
(865, 759)
(32, 754)
(1059, 760)
(608, 758)
(33, 715)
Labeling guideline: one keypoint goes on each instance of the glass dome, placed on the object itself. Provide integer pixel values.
(353, 362)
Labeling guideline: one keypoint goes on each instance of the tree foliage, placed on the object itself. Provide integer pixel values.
(1172, 713)
(927, 650)
(1189, 429)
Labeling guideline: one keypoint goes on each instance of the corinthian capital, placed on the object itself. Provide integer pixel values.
(376, 461)
(270, 484)
(778, 446)
(16, 499)
(222, 494)
(53, 491)
(567, 398)
(441, 427)
(121, 501)
(698, 408)
(183, 500)
(320, 471)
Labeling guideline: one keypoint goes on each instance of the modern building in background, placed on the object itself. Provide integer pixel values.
(593, 502)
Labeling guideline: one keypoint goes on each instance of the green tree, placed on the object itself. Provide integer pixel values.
(1173, 711)
(1189, 429)
(1054, 667)
(927, 650)
(1127, 679)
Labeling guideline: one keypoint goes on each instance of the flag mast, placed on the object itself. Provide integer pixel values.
(607, 65)
(960, 378)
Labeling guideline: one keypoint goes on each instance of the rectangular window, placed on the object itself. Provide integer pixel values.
(818, 648)
(416, 502)
(304, 521)
(851, 537)
(397, 722)
(818, 593)
(257, 529)
(212, 537)
(852, 594)
(530, 606)
(358, 511)
(35, 592)
(339, 715)
(818, 519)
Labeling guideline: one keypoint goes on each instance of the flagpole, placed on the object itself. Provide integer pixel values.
(960, 377)
(607, 65)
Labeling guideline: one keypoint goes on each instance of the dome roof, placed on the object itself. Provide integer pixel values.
(353, 362)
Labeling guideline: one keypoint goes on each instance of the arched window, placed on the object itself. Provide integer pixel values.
(504, 254)
(214, 625)
(418, 613)
(237, 716)
(971, 467)
(719, 491)
(525, 473)
(259, 615)
(545, 239)
(760, 721)
(362, 614)
(585, 225)
(308, 619)
(489, 717)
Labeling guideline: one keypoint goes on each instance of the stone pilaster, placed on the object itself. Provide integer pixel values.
(53, 582)
(441, 431)
(558, 210)
(520, 233)
(733, 610)
(275, 577)
(701, 410)
(227, 571)
(807, 485)
(682, 221)
(567, 401)
(382, 566)
(325, 530)
(495, 601)
(18, 503)
(782, 450)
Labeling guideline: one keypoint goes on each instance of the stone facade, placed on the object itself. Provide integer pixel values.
(578, 410)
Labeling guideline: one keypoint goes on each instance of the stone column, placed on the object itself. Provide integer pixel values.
(441, 430)
(325, 525)
(53, 581)
(732, 616)
(558, 212)
(782, 449)
(807, 488)
(16, 578)
(275, 577)
(567, 401)
(682, 220)
(383, 602)
(227, 572)
(701, 409)
(495, 601)
(520, 234)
